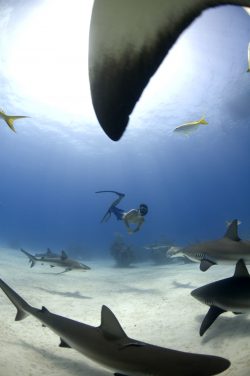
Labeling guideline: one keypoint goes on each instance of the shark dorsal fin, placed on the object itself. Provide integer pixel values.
(232, 231)
(241, 269)
(49, 252)
(110, 325)
(64, 255)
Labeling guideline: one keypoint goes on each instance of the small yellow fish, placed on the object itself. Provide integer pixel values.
(9, 119)
(248, 57)
(190, 127)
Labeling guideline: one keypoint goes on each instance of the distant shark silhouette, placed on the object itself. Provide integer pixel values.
(109, 345)
(128, 41)
(228, 249)
(62, 260)
(230, 294)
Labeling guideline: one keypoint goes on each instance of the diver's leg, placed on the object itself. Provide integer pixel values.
(113, 205)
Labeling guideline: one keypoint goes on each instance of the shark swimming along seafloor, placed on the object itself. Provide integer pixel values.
(226, 250)
(230, 294)
(62, 261)
(109, 345)
(128, 41)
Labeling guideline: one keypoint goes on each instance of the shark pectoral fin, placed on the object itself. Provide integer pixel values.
(119, 374)
(110, 326)
(65, 271)
(206, 264)
(210, 317)
(64, 344)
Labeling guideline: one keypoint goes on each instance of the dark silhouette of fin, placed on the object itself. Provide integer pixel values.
(126, 49)
(232, 231)
(210, 317)
(64, 344)
(241, 269)
(107, 215)
(206, 264)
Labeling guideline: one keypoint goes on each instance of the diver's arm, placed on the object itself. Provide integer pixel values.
(127, 224)
(127, 217)
(139, 225)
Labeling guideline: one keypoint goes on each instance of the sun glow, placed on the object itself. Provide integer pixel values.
(47, 59)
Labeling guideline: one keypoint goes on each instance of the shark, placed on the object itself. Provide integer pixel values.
(61, 260)
(109, 345)
(226, 250)
(229, 294)
(128, 40)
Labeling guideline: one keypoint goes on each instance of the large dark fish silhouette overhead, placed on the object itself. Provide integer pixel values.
(128, 41)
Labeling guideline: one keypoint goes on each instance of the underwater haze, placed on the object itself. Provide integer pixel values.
(59, 157)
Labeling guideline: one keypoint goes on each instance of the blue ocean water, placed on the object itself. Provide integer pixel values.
(51, 168)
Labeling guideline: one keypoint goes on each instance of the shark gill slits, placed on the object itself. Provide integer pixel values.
(200, 255)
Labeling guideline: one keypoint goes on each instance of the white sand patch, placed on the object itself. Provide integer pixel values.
(145, 299)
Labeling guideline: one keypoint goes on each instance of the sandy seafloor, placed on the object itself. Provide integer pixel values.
(145, 299)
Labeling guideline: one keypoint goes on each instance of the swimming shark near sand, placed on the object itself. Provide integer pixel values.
(109, 345)
(128, 41)
(226, 250)
(230, 294)
(62, 261)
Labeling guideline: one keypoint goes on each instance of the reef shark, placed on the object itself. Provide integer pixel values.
(228, 249)
(109, 345)
(62, 260)
(230, 294)
(128, 41)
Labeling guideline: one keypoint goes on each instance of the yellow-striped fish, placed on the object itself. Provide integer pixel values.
(9, 119)
(190, 127)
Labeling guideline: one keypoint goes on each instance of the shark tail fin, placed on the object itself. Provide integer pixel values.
(32, 259)
(203, 120)
(23, 308)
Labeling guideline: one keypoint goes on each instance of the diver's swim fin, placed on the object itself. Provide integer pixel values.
(107, 215)
(117, 193)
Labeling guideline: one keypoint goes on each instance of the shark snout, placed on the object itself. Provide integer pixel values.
(175, 252)
(199, 295)
(85, 267)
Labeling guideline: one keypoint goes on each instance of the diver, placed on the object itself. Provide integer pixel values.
(133, 216)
